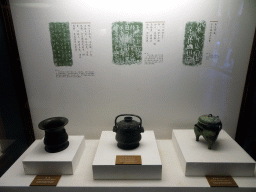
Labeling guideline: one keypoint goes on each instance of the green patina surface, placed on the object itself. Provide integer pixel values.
(127, 42)
(61, 43)
(194, 43)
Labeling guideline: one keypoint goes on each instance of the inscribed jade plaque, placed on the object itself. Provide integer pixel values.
(127, 42)
(61, 43)
(194, 43)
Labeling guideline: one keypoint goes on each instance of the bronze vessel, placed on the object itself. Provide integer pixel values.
(128, 131)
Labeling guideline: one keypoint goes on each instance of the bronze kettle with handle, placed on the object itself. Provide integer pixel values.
(128, 131)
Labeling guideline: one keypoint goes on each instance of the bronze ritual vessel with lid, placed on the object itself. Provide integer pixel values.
(209, 127)
(128, 131)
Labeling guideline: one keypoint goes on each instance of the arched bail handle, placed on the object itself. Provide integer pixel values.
(129, 115)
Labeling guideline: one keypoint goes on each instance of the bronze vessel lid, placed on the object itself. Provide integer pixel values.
(209, 120)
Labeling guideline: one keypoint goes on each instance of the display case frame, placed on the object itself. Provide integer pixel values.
(245, 126)
(16, 69)
(21, 108)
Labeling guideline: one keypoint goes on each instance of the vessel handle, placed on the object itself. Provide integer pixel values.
(220, 126)
(129, 115)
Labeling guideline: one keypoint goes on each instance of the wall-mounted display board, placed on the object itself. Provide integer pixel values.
(169, 63)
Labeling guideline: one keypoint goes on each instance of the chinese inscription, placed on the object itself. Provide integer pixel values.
(212, 56)
(155, 32)
(128, 160)
(61, 43)
(46, 180)
(194, 43)
(127, 42)
(67, 74)
(213, 30)
(221, 181)
(82, 39)
(153, 58)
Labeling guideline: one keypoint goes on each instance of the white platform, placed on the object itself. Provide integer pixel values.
(173, 178)
(104, 162)
(40, 162)
(225, 158)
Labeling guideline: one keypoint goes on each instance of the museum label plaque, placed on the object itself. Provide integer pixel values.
(46, 180)
(221, 181)
(128, 160)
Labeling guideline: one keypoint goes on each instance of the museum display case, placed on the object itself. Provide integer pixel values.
(89, 67)
(178, 61)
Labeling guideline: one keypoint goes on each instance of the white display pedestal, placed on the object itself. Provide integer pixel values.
(40, 162)
(104, 162)
(225, 158)
(173, 178)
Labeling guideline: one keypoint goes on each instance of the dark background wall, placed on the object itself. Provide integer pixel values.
(249, 128)
(9, 107)
(246, 128)
(12, 130)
